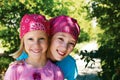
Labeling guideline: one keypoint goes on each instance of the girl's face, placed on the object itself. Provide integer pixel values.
(36, 43)
(61, 45)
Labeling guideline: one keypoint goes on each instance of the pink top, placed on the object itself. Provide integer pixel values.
(26, 72)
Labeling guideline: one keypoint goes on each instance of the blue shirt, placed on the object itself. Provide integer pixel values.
(67, 66)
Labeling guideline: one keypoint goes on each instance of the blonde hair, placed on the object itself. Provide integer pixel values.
(19, 51)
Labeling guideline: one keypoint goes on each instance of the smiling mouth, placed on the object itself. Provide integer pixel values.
(38, 51)
(60, 53)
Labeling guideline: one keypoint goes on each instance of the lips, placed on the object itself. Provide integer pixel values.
(60, 53)
(36, 51)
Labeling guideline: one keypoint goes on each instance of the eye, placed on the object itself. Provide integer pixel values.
(41, 39)
(61, 39)
(30, 38)
(72, 44)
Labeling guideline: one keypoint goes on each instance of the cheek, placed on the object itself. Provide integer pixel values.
(53, 43)
(70, 49)
(27, 44)
(45, 46)
(52, 47)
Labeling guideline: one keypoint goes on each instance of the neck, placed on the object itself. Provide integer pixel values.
(49, 56)
(37, 62)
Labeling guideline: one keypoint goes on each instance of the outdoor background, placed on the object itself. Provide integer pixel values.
(99, 38)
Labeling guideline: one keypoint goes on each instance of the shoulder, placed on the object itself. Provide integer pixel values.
(54, 69)
(13, 70)
(51, 65)
(15, 65)
(68, 67)
(69, 60)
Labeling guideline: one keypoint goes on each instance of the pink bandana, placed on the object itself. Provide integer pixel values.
(65, 24)
(31, 22)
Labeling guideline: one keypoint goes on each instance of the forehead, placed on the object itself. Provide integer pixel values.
(36, 33)
(64, 35)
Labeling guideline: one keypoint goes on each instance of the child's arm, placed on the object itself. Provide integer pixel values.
(22, 56)
(14, 71)
(10, 73)
(20, 59)
(20, 62)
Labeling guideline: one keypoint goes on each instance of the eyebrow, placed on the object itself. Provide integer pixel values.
(66, 36)
(62, 35)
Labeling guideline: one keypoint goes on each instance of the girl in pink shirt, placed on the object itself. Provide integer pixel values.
(34, 41)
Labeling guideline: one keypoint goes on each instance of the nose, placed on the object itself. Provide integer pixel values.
(64, 47)
(36, 45)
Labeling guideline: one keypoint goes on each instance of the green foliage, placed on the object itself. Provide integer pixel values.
(108, 17)
(10, 17)
(88, 56)
(4, 62)
(82, 37)
(11, 12)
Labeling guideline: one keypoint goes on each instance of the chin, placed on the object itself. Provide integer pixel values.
(58, 59)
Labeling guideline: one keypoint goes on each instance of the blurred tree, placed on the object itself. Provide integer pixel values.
(11, 12)
(107, 13)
